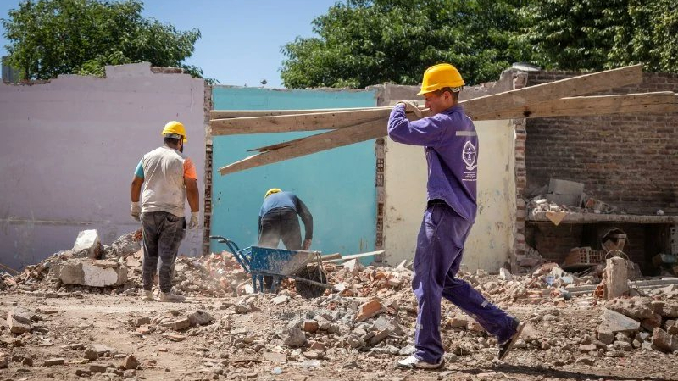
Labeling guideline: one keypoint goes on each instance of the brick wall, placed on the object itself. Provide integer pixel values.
(628, 161)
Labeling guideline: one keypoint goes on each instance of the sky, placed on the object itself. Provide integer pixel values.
(241, 40)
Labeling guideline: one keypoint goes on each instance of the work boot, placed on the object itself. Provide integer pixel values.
(506, 346)
(170, 297)
(415, 362)
(147, 295)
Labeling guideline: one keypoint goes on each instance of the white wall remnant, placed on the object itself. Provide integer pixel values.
(491, 238)
(68, 152)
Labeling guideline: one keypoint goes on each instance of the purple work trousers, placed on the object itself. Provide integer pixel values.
(440, 248)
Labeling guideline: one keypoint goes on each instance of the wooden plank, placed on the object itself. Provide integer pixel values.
(330, 257)
(226, 114)
(568, 87)
(297, 122)
(658, 102)
(309, 145)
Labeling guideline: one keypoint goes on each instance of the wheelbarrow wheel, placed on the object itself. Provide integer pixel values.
(307, 290)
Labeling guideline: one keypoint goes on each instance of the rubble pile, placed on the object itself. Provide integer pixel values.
(92, 267)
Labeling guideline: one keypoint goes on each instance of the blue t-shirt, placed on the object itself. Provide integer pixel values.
(278, 200)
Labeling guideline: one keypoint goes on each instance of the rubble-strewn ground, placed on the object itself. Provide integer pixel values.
(49, 329)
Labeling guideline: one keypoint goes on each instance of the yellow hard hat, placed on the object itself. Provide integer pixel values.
(439, 77)
(175, 128)
(271, 191)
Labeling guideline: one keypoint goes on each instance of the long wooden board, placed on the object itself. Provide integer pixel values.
(298, 122)
(309, 145)
(227, 114)
(568, 87)
(658, 102)
(340, 118)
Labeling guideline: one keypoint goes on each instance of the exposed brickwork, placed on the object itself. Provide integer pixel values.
(519, 82)
(628, 161)
(207, 209)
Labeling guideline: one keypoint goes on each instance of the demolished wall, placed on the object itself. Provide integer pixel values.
(69, 150)
(627, 161)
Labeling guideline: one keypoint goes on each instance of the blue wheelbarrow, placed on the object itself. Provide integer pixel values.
(268, 267)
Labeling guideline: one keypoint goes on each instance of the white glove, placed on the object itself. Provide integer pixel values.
(193, 224)
(136, 210)
(411, 107)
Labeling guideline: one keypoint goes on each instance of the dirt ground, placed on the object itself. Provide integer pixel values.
(248, 345)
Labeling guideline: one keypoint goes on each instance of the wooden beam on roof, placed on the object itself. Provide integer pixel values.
(658, 102)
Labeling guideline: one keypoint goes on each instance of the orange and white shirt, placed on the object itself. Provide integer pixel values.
(164, 170)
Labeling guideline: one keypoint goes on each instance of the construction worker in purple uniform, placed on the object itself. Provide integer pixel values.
(451, 147)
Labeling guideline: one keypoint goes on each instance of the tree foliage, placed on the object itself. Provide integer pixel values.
(364, 42)
(603, 34)
(51, 37)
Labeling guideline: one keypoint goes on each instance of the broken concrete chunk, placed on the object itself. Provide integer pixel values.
(94, 273)
(275, 357)
(354, 266)
(664, 341)
(178, 324)
(652, 323)
(126, 244)
(616, 278)
(174, 337)
(505, 274)
(138, 322)
(19, 320)
(200, 318)
(636, 309)
(130, 362)
(295, 337)
(280, 299)
(614, 322)
(87, 244)
(98, 367)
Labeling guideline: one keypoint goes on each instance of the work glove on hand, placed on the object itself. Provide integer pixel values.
(193, 224)
(307, 244)
(411, 107)
(136, 210)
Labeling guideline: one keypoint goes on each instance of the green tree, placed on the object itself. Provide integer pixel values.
(603, 34)
(51, 37)
(365, 42)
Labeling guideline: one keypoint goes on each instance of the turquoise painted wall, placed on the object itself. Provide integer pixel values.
(337, 185)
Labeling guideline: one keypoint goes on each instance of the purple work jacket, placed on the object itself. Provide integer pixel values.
(451, 146)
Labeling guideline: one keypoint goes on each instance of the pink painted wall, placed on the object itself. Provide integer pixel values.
(68, 149)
